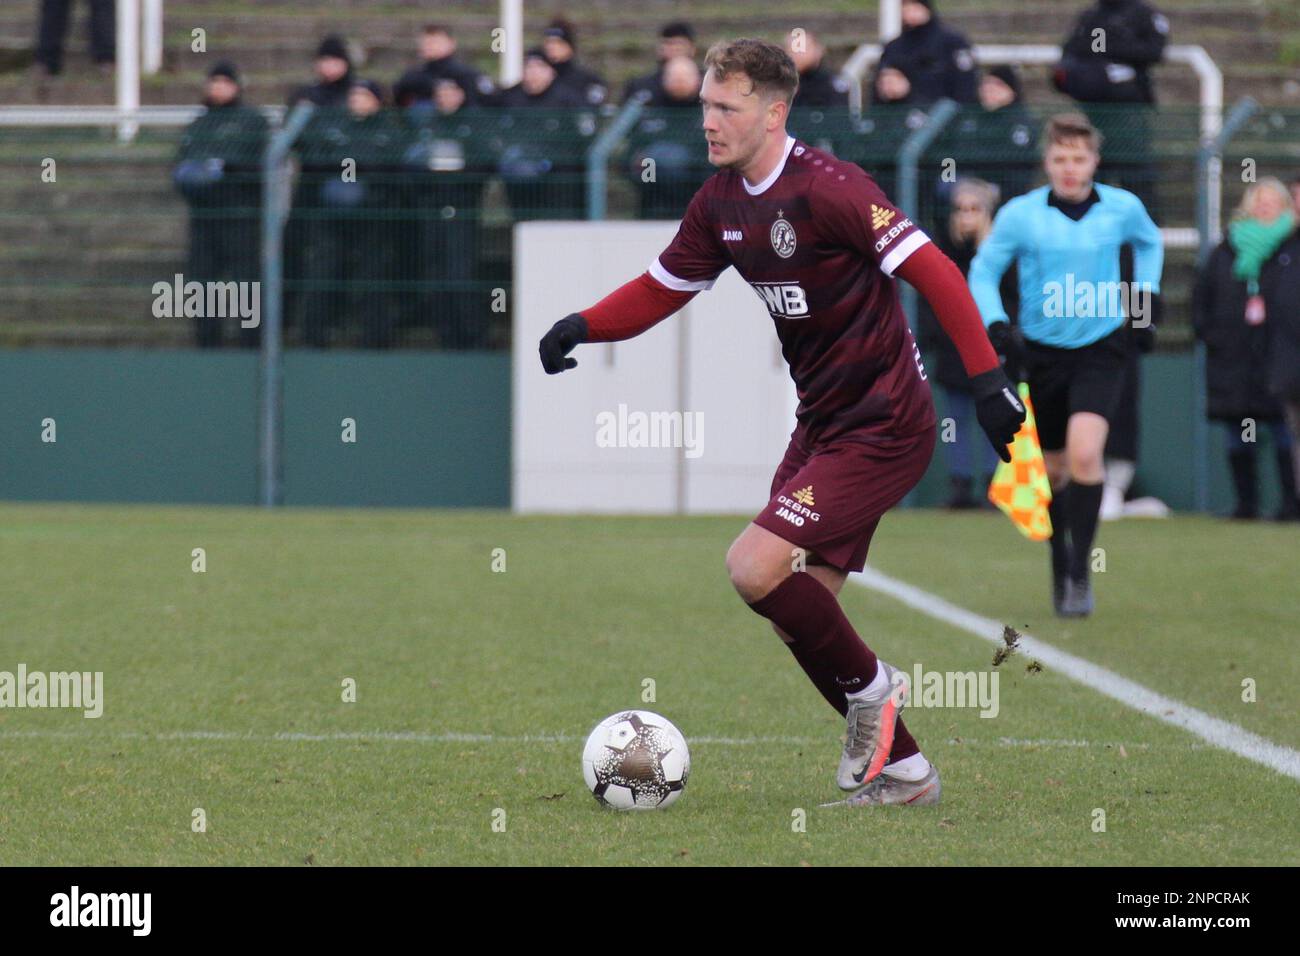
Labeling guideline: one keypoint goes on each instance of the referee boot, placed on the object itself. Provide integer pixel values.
(1078, 598)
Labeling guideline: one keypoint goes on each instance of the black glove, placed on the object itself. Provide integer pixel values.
(564, 336)
(1010, 346)
(1144, 336)
(998, 408)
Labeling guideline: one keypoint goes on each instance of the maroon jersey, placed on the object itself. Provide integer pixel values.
(817, 241)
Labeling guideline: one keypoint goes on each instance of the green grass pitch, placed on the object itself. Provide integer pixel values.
(224, 692)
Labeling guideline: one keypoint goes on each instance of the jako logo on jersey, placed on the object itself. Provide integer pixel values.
(795, 513)
(784, 300)
(731, 235)
(783, 238)
(893, 234)
(880, 218)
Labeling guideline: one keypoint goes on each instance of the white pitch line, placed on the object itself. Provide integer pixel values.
(1213, 730)
(381, 736)
(372, 736)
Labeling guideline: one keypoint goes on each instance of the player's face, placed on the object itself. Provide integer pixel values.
(1070, 167)
(736, 119)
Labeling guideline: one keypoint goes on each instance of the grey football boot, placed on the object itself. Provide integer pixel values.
(870, 731)
(886, 790)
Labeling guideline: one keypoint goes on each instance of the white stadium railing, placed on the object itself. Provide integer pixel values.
(1211, 101)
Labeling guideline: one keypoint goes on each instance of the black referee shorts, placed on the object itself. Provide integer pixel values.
(1065, 381)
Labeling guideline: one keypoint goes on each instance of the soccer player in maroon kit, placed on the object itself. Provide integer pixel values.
(819, 242)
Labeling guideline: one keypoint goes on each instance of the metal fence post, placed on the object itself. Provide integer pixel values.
(909, 158)
(598, 157)
(275, 209)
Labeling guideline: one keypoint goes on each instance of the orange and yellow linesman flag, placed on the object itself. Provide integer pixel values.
(1020, 487)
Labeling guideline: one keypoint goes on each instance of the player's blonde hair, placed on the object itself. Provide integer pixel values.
(767, 66)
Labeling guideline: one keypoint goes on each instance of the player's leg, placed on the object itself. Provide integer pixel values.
(1095, 392)
(1085, 446)
(908, 777)
(829, 507)
(762, 566)
(832, 579)
(821, 638)
(902, 756)
(1047, 370)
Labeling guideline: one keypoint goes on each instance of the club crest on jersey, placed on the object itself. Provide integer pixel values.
(783, 241)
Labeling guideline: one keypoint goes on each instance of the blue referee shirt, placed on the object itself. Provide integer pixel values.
(1070, 293)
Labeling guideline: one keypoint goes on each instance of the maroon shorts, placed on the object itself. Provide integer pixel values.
(828, 501)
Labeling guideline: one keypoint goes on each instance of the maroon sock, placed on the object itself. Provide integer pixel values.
(904, 744)
(821, 634)
(823, 680)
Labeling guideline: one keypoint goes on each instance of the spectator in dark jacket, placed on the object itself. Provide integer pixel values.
(1113, 65)
(438, 61)
(333, 75)
(666, 162)
(545, 130)
(218, 171)
(937, 61)
(675, 39)
(559, 44)
(53, 31)
(966, 453)
(995, 140)
(1280, 288)
(1229, 315)
(896, 112)
(351, 186)
(1109, 72)
(449, 163)
(820, 87)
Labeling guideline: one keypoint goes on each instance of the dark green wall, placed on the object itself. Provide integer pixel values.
(131, 425)
(180, 426)
(1166, 452)
(433, 429)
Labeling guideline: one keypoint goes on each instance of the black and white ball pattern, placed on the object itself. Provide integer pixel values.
(636, 760)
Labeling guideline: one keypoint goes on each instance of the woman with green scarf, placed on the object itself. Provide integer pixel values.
(1228, 313)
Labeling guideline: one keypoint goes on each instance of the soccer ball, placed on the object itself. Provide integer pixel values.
(636, 760)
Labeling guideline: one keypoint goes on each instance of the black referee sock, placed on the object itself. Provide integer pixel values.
(1084, 511)
(1057, 510)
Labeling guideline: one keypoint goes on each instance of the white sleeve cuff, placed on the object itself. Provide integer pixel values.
(666, 278)
(902, 251)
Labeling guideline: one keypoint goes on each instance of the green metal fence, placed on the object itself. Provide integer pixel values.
(398, 227)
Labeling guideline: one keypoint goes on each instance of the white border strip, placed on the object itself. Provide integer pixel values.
(666, 278)
(1219, 733)
(901, 251)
